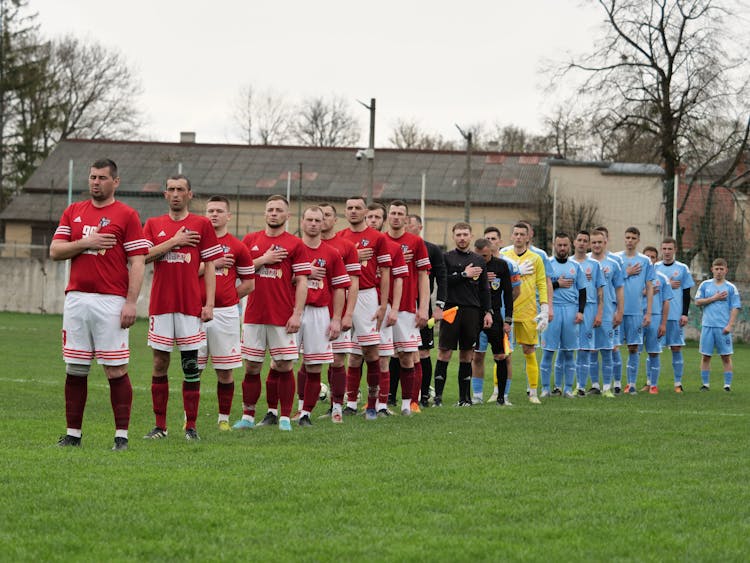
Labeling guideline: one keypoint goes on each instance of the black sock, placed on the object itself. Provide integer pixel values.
(395, 368)
(426, 376)
(464, 382)
(502, 379)
(441, 372)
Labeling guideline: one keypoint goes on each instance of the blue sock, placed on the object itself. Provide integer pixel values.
(616, 366)
(545, 369)
(634, 360)
(678, 366)
(648, 371)
(477, 385)
(607, 367)
(559, 369)
(594, 368)
(507, 387)
(728, 378)
(570, 370)
(655, 369)
(704, 376)
(582, 367)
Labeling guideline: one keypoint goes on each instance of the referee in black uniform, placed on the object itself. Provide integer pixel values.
(469, 290)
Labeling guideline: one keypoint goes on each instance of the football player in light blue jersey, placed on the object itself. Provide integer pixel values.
(653, 334)
(569, 300)
(592, 314)
(681, 281)
(720, 302)
(639, 275)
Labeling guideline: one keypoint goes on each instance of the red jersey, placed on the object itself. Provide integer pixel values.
(399, 269)
(420, 261)
(272, 301)
(369, 238)
(348, 254)
(102, 271)
(226, 278)
(176, 287)
(320, 292)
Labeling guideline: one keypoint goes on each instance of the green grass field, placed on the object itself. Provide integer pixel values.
(654, 478)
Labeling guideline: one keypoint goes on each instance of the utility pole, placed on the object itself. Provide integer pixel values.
(370, 152)
(467, 188)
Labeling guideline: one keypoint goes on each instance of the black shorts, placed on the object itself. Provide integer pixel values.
(463, 332)
(428, 338)
(495, 337)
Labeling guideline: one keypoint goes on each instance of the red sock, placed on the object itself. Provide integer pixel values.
(312, 391)
(76, 391)
(191, 397)
(121, 397)
(285, 392)
(353, 378)
(384, 383)
(250, 393)
(373, 379)
(337, 381)
(272, 389)
(407, 382)
(160, 397)
(416, 385)
(224, 395)
(301, 380)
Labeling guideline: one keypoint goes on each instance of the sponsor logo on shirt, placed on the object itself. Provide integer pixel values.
(269, 272)
(172, 257)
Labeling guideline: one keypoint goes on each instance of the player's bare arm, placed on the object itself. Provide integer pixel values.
(63, 250)
(732, 319)
(300, 296)
(649, 303)
(339, 298)
(136, 271)
(209, 277)
(351, 302)
(385, 286)
(245, 288)
(599, 307)
(398, 289)
(423, 299)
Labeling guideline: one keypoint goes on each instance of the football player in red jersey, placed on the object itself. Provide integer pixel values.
(223, 331)
(104, 241)
(273, 316)
(179, 242)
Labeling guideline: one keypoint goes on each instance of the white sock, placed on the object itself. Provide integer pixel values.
(406, 404)
(121, 434)
(75, 432)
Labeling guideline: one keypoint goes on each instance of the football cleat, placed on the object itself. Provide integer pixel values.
(156, 434)
(534, 400)
(304, 420)
(631, 390)
(653, 390)
(545, 393)
(243, 424)
(382, 413)
(500, 402)
(705, 388)
(608, 394)
(437, 402)
(269, 420)
(191, 435)
(493, 398)
(594, 391)
(581, 392)
(370, 414)
(678, 389)
(349, 411)
(224, 426)
(69, 440)
(121, 444)
(414, 406)
(337, 418)
(617, 390)
(285, 425)
(405, 412)
(557, 392)
(507, 402)
(646, 388)
(727, 388)
(569, 395)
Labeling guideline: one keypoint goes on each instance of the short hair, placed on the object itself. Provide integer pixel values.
(359, 197)
(522, 225)
(328, 204)
(219, 198)
(399, 203)
(312, 208)
(562, 234)
(669, 240)
(461, 225)
(376, 205)
(277, 197)
(493, 230)
(482, 243)
(633, 230)
(583, 232)
(106, 163)
(181, 177)
(602, 229)
(719, 262)
(650, 249)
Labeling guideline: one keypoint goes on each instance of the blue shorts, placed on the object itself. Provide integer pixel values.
(713, 337)
(562, 332)
(675, 334)
(586, 329)
(632, 329)
(617, 335)
(651, 341)
(481, 346)
(604, 337)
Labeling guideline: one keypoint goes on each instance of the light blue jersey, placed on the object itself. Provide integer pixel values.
(676, 271)
(636, 283)
(716, 314)
(612, 273)
(662, 292)
(594, 278)
(567, 269)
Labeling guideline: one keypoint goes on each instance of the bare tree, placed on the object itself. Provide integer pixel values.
(322, 122)
(408, 134)
(262, 116)
(661, 70)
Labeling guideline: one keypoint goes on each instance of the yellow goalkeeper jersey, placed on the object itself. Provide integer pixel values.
(532, 284)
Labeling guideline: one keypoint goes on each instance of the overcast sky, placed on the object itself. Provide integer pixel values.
(437, 62)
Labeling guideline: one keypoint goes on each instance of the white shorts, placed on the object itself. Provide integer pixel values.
(363, 329)
(343, 344)
(222, 340)
(406, 336)
(316, 348)
(256, 339)
(186, 331)
(385, 346)
(91, 328)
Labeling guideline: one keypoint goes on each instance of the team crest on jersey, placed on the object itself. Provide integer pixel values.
(225, 248)
(277, 247)
(320, 262)
(103, 222)
(495, 284)
(404, 248)
(364, 243)
(572, 271)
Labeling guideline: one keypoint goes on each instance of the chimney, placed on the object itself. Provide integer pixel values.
(187, 136)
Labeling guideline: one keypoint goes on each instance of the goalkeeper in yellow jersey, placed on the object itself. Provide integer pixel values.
(527, 321)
